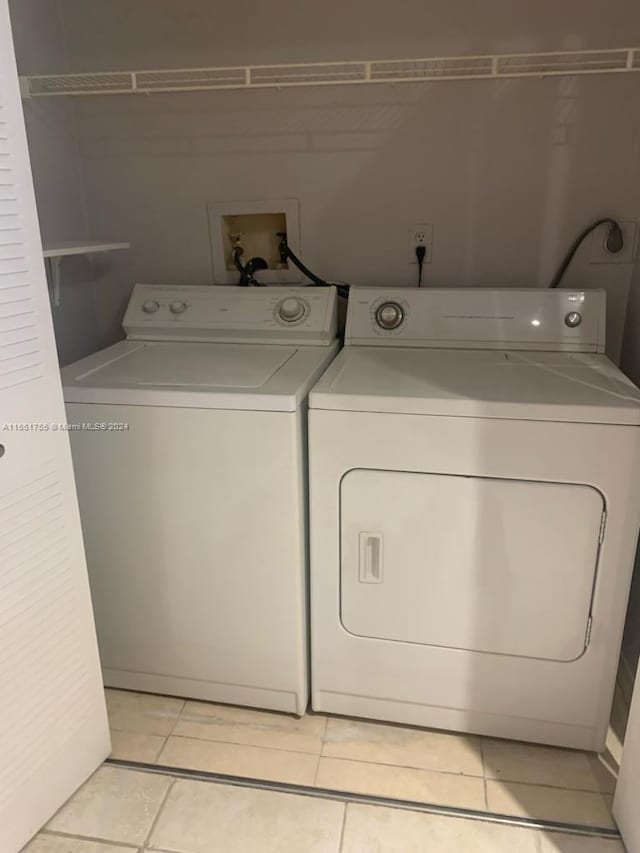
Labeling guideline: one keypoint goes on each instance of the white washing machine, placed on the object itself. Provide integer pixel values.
(474, 470)
(189, 447)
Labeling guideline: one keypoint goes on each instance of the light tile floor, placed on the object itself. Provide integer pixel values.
(122, 811)
(365, 757)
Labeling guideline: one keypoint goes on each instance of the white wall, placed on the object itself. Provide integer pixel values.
(81, 325)
(158, 33)
(508, 172)
(478, 160)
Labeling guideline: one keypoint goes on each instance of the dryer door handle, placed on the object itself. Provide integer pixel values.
(370, 553)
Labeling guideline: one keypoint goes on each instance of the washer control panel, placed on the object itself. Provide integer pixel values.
(239, 314)
(477, 318)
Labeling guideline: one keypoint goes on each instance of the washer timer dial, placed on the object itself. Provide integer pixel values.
(150, 306)
(291, 309)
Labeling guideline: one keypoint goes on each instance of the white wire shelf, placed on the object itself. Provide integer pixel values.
(614, 61)
(61, 250)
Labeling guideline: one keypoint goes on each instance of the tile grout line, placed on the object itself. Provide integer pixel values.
(156, 760)
(315, 775)
(171, 731)
(96, 839)
(548, 787)
(484, 775)
(482, 758)
(373, 799)
(114, 728)
(323, 738)
(321, 754)
(163, 739)
(162, 746)
(154, 822)
(458, 774)
(130, 845)
(250, 745)
(344, 824)
(167, 850)
(178, 715)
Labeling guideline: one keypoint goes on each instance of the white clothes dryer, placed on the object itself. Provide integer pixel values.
(474, 469)
(189, 447)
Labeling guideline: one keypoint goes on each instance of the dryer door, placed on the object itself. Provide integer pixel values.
(489, 565)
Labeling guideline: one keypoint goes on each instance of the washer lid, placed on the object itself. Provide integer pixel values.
(203, 367)
(552, 386)
(197, 375)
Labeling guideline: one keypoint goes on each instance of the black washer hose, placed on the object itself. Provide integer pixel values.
(286, 253)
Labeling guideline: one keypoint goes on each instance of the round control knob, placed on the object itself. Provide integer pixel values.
(178, 307)
(573, 319)
(389, 315)
(150, 306)
(291, 309)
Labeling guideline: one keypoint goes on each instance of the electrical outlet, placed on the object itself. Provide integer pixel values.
(601, 255)
(421, 235)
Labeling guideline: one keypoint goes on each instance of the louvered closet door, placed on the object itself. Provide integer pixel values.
(53, 726)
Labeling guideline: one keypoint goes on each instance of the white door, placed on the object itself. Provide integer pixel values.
(469, 562)
(53, 725)
(626, 803)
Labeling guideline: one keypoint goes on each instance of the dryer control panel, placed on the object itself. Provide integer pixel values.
(288, 315)
(478, 318)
